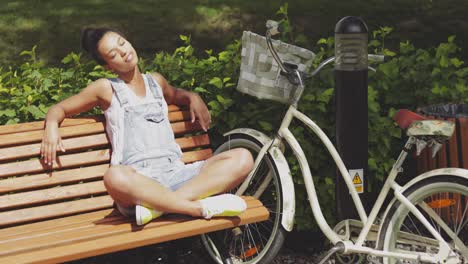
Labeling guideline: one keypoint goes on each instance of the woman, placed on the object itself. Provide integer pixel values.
(147, 176)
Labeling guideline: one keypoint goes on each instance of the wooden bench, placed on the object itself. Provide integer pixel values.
(65, 213)
(453, 153)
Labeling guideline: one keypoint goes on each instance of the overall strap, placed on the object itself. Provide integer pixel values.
(120, 91)
(154, 86)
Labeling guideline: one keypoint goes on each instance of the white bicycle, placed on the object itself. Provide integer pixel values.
(426, 222)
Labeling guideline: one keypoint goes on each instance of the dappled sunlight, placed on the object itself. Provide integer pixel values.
(223, 18)
(154, 25)
(20, 23)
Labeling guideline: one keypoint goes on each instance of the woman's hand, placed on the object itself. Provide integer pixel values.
(177, 96)
(199, 110)
(51, 140)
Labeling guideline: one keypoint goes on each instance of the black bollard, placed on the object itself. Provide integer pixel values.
(351, 37)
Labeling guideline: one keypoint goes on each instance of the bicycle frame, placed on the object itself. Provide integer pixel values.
(347, 246)
(358, 247)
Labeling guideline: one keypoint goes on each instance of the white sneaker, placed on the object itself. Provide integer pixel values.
(222, 205)
(144, 215)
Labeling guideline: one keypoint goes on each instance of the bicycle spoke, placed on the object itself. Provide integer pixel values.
(463, 223)
(442, 202)
(259, 241)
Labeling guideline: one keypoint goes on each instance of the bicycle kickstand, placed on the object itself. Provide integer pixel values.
(339, 247)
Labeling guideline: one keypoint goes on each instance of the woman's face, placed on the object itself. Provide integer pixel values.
(117, 52)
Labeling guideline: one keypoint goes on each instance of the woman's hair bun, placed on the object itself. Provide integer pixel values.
(90, 38)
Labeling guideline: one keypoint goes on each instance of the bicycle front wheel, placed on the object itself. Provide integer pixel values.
(443, 201)
(257, 242)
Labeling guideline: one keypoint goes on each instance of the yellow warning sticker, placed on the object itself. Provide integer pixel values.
(357, 179)
(359, 189)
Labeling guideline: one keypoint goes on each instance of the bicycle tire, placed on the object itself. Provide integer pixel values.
(272, 198)
(448, 196)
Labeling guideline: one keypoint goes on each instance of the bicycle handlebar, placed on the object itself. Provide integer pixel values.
(273, 28)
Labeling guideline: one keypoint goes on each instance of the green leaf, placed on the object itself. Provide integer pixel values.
(8, 113)
(456, 62)
(224, 56)
(322, 41)
(215, 105)
(374, 43)
(36, 112)
(389, 53)
(326, 95)
(217, 82)
(329, 181)
(444, 62)
(265, 125)
(451, 38)
(201, 90)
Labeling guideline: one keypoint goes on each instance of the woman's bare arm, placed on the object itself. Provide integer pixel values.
(88, 98)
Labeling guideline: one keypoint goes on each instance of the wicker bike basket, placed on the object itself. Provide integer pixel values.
(260, 74)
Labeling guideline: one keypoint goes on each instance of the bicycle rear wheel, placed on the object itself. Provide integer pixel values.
(257, 242)
(443, 201)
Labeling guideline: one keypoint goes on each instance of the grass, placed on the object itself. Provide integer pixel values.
(154, 25)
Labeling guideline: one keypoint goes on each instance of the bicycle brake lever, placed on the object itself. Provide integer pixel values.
(273, 27)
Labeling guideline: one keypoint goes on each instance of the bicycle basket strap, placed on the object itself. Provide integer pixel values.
(259, 72)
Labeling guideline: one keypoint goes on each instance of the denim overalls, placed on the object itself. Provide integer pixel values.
(148, 140)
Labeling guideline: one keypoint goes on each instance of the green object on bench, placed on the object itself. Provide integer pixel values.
(49, 216)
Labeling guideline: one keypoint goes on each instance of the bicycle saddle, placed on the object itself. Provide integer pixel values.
(418, 125)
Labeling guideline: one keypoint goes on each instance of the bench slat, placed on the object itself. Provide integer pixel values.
(185, 127)
(36, 136)
(54, 178)
(69, 222)
(175, 114)
(86, 142)
(51, 195)
(48, 226)
(463, 141)
(39, 125)
(61, 209)
(81, 159)
(179, 116)
(89, 230)
(135, 239)
(452, 149)
(75, 175)
(70, 144)
(82, 130)
(197, 155)
(66, 161)
(118, 234)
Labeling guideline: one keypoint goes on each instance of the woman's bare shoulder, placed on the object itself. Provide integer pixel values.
(101, 89)
(159, 78)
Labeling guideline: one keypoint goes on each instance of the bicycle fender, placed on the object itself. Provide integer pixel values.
(463, 173)
(287, 185)
(437, 172)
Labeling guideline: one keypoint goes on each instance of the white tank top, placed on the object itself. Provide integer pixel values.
(115, 121)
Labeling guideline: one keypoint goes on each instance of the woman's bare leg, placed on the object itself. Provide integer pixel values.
(219, 173)
(129, 188)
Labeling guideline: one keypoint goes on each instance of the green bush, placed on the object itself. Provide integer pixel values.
(411, 78)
